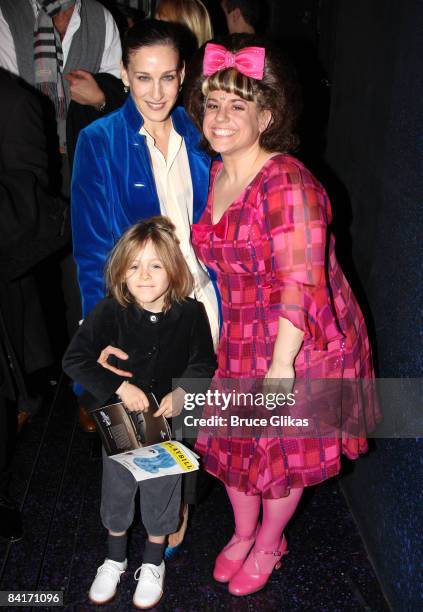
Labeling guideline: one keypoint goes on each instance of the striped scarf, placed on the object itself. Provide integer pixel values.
(48, 54)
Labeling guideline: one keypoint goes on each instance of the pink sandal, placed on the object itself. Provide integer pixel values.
(244, 583)
(225, 568)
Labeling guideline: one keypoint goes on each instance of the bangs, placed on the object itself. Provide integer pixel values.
(160, 233)
(231, 81)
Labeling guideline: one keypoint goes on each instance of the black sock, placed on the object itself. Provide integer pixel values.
(153, 553)
(116, 547)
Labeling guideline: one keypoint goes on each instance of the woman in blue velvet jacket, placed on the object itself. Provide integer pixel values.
(140, 161)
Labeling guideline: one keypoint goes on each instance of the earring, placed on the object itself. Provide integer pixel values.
(126, 89)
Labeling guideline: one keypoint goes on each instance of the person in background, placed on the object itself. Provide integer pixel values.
(57, 46)
(141, 161)
(243, 16)
(126, 16)
(191, 13)
(288, 311)
(166, 336)
(70, 52)
(33, 226)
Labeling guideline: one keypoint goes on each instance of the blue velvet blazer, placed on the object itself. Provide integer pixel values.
(113, 187)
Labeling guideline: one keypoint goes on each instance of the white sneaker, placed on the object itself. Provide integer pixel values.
(149, 589)
(104, 585)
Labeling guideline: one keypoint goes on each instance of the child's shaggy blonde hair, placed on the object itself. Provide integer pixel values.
(161, 233)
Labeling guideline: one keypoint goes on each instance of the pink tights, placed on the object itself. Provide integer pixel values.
(276, 514)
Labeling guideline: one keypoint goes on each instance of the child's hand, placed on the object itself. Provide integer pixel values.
(172, 404)
(134, 399)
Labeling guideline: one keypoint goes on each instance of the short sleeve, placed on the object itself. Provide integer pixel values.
(293, 220)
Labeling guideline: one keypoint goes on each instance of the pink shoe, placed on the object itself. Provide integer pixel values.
(244, 583)
(225, 568)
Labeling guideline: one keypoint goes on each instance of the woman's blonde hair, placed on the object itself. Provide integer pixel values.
(161, 233)
(191, 13)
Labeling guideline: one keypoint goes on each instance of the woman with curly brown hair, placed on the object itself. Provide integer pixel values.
(288, 311)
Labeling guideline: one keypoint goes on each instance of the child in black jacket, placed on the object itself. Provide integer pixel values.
(166, 336)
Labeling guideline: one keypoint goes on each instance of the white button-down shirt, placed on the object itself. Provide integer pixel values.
(112, 54)
(172, 176)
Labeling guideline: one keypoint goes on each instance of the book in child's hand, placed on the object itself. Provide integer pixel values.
(164, 459)
(121, 430)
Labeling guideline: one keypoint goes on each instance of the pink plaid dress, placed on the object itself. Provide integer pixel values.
(274, 258)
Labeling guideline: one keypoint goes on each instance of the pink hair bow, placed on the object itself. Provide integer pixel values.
(248, 61)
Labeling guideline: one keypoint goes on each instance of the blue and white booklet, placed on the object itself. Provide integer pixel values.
(161, 459)
(142, 442)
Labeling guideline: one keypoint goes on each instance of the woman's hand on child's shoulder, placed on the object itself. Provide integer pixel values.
(117, 352)
(133, 398)
(172, 404)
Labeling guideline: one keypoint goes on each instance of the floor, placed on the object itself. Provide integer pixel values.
(57, 480)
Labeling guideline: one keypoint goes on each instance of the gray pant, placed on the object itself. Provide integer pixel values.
(160, 500)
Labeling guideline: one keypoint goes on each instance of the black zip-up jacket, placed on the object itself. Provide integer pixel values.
(161, 347)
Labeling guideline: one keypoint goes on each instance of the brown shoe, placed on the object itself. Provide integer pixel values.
(86, 422)
(23, 418)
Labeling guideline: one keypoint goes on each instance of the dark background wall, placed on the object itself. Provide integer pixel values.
(371, 54)
(374, 145)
